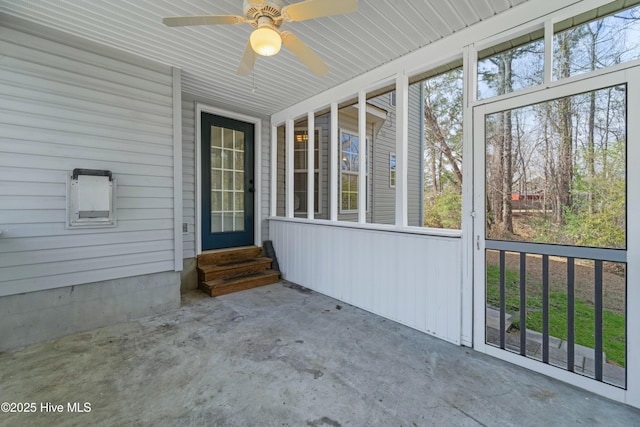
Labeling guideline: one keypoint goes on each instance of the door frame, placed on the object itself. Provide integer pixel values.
(629, 75)
(257, 165)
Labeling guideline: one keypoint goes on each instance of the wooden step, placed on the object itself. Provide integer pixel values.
(233, 269)
(219, 287)
(224, 256)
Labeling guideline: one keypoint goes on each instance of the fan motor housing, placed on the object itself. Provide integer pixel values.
(267, 8)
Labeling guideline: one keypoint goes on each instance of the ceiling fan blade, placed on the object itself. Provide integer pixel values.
(248, 61)
(311, 9)
(185, 21)
(304, 53)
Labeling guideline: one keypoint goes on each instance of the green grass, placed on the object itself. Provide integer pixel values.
(613, 325)
(512, 282)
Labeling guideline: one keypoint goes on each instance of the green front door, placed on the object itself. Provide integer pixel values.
(227, 182)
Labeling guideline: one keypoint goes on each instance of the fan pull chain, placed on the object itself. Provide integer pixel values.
(253, 74)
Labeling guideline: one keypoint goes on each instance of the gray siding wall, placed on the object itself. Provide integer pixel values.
(323, 122)
(384, 142)
(415, 153)
(280, 178)
(265, 178)
(189, 173)
(66, 103)
(189, 102)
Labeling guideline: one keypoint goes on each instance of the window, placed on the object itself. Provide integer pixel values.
(392, 170)
(511, 66)
(227, 179)
(582, 45)
(439, 101)
(300, 164)
(349, 171)
(392, 98)
(566, 179)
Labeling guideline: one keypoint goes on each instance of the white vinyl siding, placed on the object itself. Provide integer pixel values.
(69, 104)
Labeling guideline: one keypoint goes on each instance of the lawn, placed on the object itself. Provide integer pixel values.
(584, 313)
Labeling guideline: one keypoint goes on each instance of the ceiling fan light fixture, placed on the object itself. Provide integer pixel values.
(265, 40)
(266, 17)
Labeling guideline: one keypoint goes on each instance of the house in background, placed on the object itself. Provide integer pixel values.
(128, 149)
(380, 162)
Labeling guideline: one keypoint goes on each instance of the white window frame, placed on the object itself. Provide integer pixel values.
(341, 172)
(318, 153)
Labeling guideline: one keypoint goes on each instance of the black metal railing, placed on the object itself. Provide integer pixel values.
(508, 341)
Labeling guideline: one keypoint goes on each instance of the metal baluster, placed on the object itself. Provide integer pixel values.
(545, 308)
(502, 300)
(570, 314)
(598, 319)
(523, 304)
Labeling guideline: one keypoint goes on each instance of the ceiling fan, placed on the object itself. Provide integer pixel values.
(266, 16)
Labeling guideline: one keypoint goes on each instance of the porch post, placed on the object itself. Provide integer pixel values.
(362, 157)
(333, 164)
(402, 138)
(633, 242)
(469, 67)
(273, 173)
(289, 169)
(311, 133)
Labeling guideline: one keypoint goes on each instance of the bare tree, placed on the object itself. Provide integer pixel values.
(502, 173)
(564, 129)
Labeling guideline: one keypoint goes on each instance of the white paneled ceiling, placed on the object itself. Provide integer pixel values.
(380, 31)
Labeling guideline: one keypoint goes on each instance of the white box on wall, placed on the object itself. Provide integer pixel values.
(91, 199)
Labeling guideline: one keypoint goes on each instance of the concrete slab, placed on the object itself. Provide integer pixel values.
(537, 337)
(493, 319)
(283, 356)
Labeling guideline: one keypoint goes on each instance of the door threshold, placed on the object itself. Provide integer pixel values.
(234, 248)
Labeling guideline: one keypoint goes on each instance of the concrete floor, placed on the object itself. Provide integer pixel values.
(282, 355)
